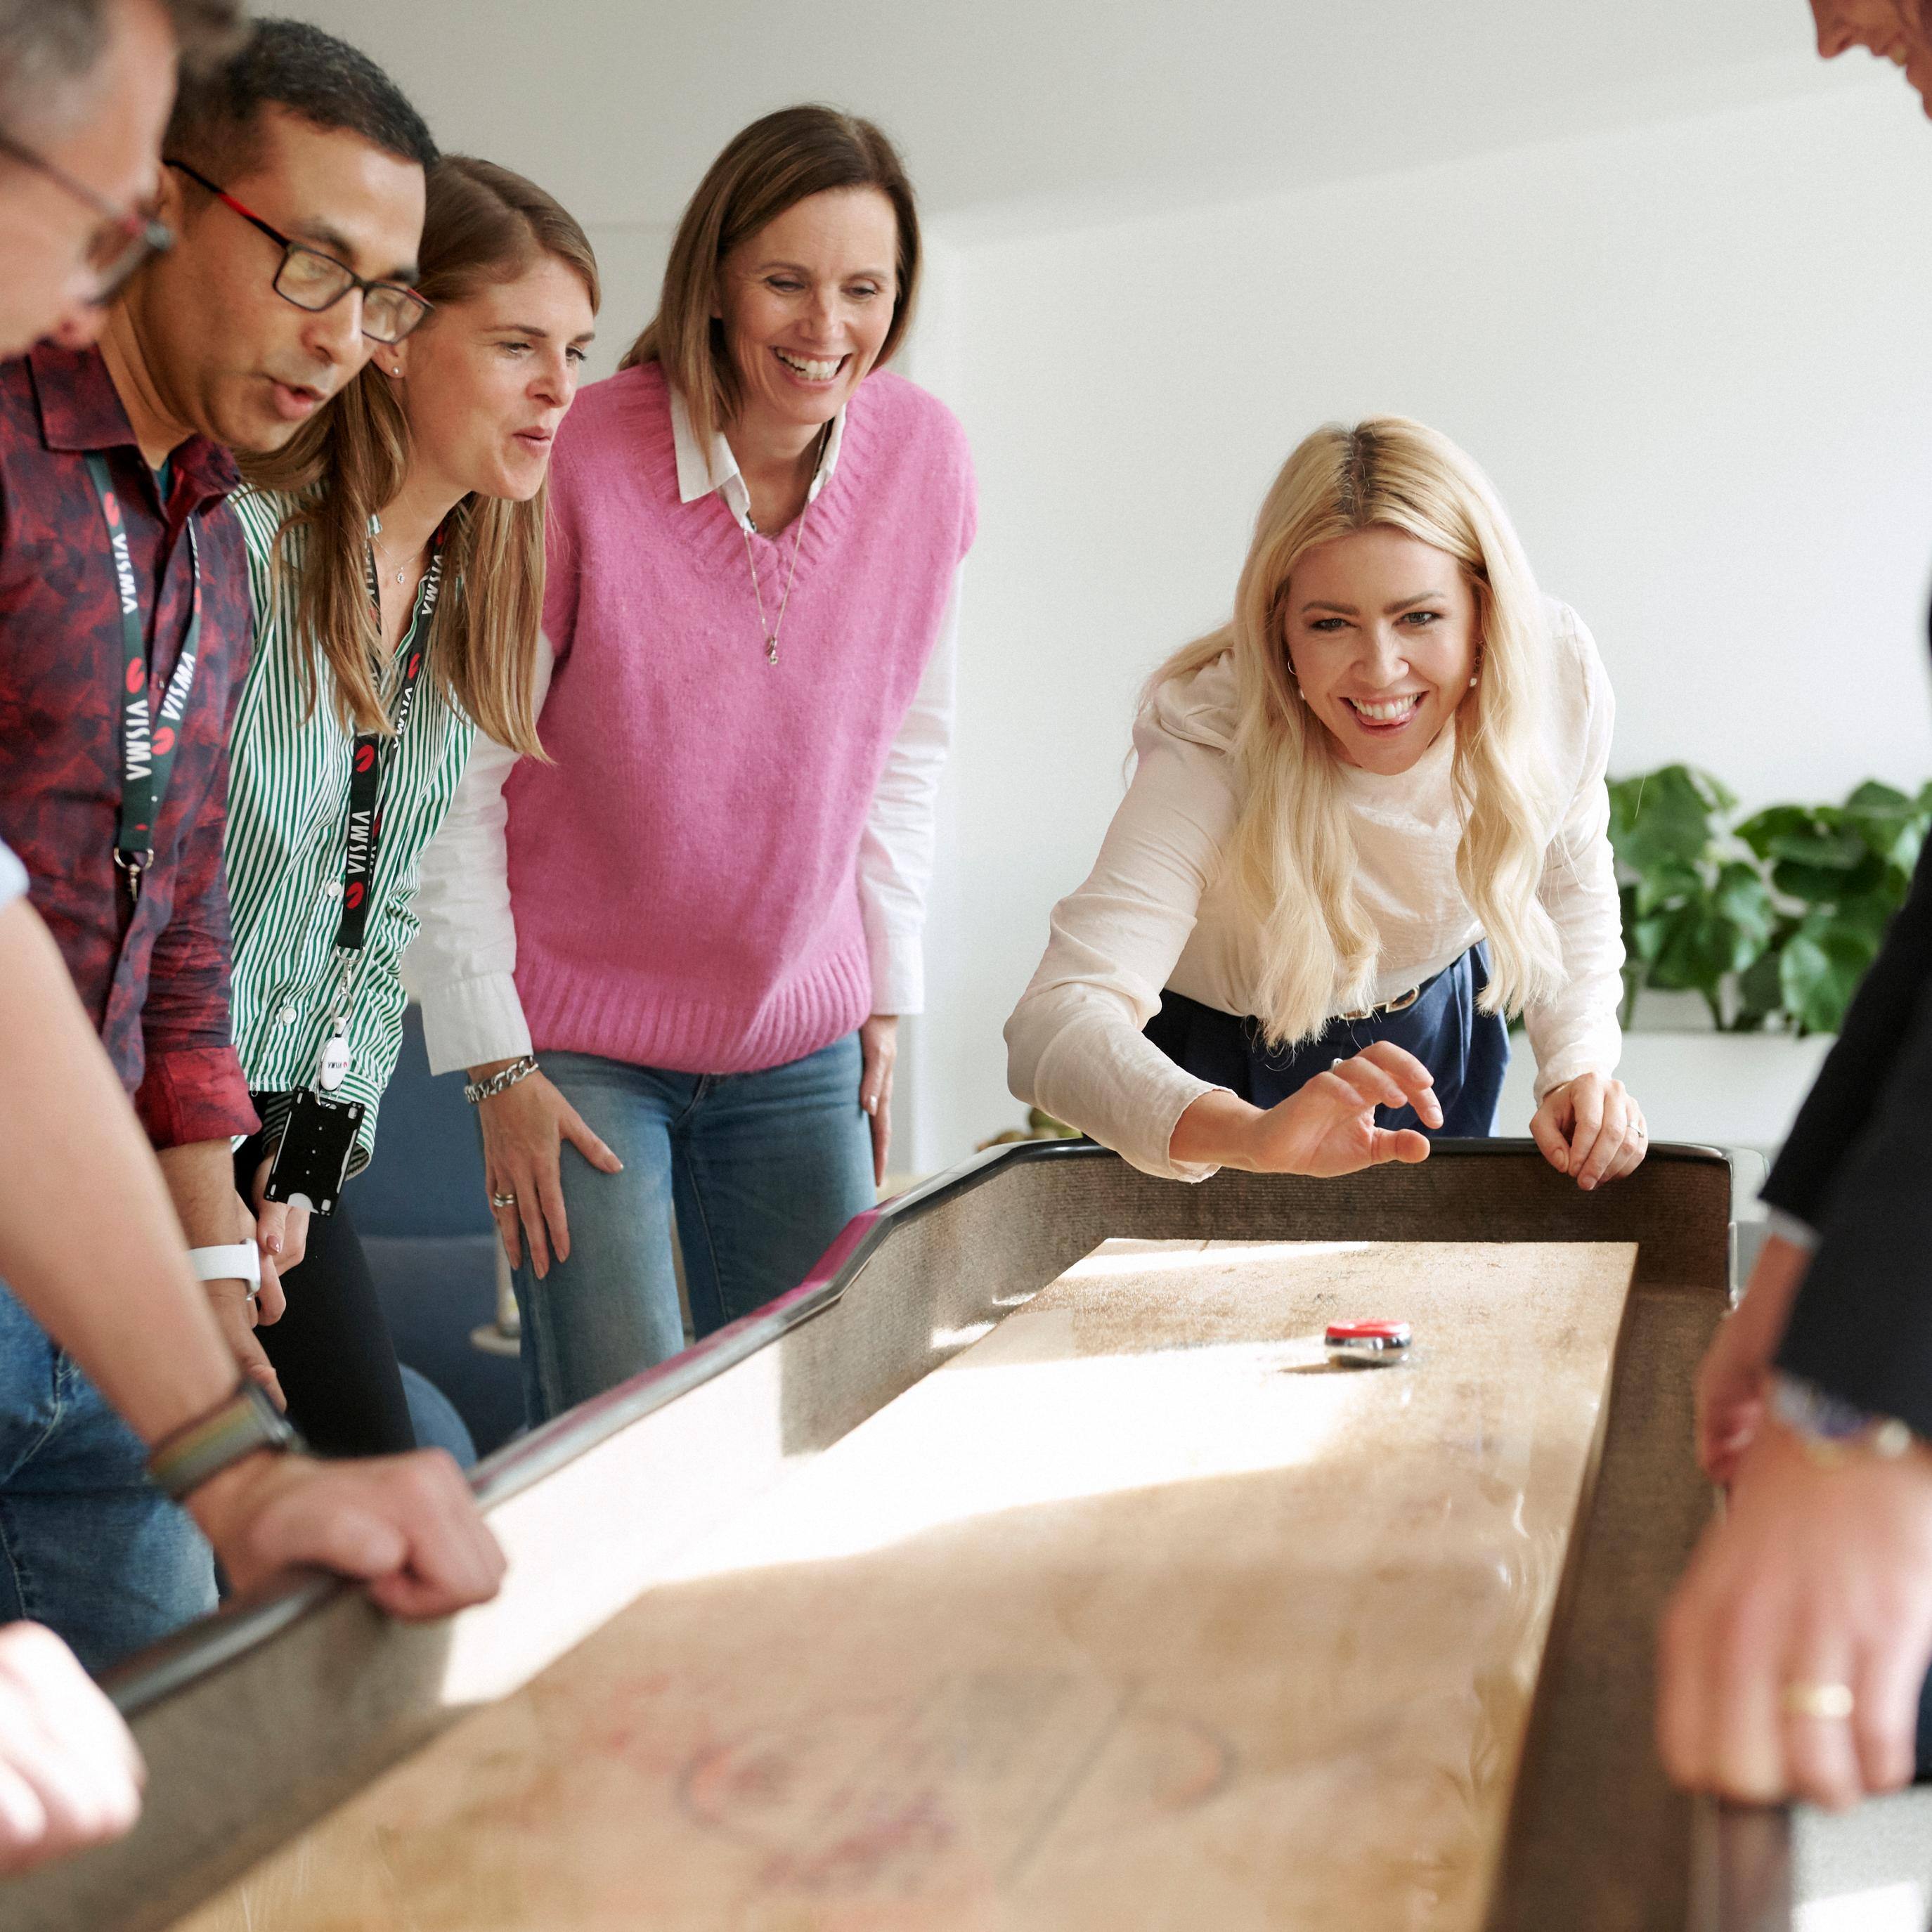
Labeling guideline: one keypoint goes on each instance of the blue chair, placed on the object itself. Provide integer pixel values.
(434, 1418)
(421, 1209)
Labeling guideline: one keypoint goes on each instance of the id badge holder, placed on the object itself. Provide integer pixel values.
(312, 1163)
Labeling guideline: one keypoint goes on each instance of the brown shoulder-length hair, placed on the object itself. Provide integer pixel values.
(772, 165)
(482, 224)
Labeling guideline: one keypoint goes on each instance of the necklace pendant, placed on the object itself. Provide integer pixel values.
(771, 650)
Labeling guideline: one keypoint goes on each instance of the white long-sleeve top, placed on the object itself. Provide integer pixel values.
(1156, 912)
(462, 965)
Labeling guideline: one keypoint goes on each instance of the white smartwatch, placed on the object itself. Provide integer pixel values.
(237, 1260)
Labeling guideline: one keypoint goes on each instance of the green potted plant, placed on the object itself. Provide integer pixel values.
(1767, 922)
(1773, 919)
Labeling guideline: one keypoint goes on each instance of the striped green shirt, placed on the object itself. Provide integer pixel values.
(288, 815)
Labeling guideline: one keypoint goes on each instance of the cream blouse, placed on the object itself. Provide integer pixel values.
(1155, 911)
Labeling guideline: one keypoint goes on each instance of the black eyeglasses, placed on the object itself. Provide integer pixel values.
(125, 238)
(315, 281)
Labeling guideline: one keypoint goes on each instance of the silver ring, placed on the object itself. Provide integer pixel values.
(502, 1201)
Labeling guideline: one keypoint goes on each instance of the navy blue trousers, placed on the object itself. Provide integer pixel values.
(1466, 1049)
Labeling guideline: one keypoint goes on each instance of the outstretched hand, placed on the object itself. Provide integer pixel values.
(1328, 1127)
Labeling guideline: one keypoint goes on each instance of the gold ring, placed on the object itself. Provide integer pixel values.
(1831, 1702)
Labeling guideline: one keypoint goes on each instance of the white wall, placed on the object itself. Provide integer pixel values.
(630, 263)
(1696, 358)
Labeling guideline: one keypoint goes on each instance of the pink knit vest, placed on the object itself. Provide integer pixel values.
(684, 875)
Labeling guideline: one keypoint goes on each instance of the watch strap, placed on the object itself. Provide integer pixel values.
(231, 1261)
(247, 1421)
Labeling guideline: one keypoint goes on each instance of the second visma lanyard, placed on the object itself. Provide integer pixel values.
(312, 1161)
(149, 739)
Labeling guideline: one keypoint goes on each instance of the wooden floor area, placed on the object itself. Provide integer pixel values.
(1137, 1613)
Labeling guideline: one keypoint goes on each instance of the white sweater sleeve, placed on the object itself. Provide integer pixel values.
(1576, 1030)
(1074, 1043)
(896, 850)
(462, 965)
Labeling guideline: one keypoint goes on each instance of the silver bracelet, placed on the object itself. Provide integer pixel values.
(501, 1083)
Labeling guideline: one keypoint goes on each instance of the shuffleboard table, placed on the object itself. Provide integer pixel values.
(1033, 1565)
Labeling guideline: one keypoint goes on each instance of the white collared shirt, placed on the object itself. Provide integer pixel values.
(463, 964)
(698, 474)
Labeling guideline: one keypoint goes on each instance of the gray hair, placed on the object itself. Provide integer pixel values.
(48, 48)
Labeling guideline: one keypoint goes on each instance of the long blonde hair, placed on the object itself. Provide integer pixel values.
(1292, 861)
(772, 165)
(482, 224)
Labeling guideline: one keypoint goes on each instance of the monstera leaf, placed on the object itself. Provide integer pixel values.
(1820, 971)
(1818, 853)
(1663, 823)
(1892, 824)
(1773, 921)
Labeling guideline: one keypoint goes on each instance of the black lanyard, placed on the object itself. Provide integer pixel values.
(370, 756)
(149, 739)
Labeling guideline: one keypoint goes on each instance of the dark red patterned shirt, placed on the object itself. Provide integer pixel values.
(156, 985)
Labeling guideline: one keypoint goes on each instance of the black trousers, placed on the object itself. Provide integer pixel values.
(332, 1349)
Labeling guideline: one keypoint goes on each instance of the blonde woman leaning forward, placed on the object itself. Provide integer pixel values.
(1367, 821)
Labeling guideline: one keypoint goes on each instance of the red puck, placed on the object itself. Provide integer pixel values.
(1380, 1342)
(1394, 1333)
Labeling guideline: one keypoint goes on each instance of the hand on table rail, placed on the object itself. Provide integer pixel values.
(69, 1775)
(1734, 1378)
(1592, 1128)
(1815, 1585)
(406, 1525)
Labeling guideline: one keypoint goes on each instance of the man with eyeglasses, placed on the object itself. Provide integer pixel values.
(124, 620)
(86, 1230)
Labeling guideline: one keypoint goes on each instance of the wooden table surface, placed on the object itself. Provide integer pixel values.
(1138, 1613)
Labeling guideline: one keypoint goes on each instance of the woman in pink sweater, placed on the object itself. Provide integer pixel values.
(682, 944)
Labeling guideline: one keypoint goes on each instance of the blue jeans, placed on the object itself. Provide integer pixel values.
(88, 1545)
(760, 1172)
